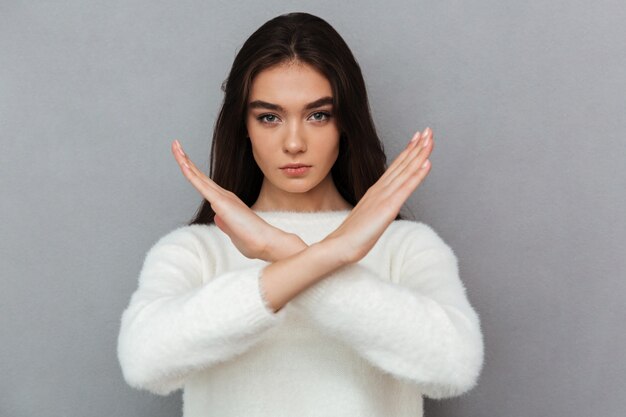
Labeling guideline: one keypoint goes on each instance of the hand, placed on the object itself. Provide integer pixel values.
(380, 205)
(253, 236)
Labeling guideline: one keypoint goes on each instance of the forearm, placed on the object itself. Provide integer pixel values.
(445, 356)
(300, 267)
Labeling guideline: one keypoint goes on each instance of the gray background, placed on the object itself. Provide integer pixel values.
(526, 100)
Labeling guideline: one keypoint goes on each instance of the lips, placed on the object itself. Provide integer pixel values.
(294, 166)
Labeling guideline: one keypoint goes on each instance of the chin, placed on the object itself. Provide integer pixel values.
(297, 185)
(303, 188)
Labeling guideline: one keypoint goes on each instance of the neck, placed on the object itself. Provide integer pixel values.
(325, 197)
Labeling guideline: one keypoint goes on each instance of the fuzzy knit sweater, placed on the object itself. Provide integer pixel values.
(370, 339)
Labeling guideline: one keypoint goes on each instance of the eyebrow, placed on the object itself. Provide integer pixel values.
(260, 104)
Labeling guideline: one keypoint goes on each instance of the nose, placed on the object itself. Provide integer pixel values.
(295, 141)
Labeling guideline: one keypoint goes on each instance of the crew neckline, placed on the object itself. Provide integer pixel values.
(300, 215)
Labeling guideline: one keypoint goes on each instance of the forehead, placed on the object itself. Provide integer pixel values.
(290, 84)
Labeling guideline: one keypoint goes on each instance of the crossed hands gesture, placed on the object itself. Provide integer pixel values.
(359, 232)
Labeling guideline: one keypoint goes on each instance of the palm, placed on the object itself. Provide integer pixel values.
(248, 232)
(381, 203)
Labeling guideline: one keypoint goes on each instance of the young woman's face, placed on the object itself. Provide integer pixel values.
(290, 120)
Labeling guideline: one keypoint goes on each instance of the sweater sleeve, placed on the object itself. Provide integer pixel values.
(421, 327)
(175, 324)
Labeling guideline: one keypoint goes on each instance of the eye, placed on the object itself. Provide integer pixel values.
(271, 120)
(326, 116)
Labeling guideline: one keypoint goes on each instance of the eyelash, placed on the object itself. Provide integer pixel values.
(263, 116)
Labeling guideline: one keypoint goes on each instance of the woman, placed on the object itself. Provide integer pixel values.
(301, 290)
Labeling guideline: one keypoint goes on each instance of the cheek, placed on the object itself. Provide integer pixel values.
(259, 156)
(335, 155)
(255, 154)
(332, 151)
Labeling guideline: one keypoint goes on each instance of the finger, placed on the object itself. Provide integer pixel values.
(416, 163)
(406, 188)
(416, 142)
(202, 186)
(416, 166)
(184, 160)
(415, 180)
(416, 137)
(205, 186)
(188, 166)
(416, 151)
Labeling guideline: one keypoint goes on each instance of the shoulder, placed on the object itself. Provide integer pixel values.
(413, 242)
(424, 259)
(192, 239)
(183, 235)
(184, 252)
(416, 235)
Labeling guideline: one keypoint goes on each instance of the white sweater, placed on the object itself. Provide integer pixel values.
(368, 340)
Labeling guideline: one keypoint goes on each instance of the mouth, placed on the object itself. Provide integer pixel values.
(295, 166)
(295, 169)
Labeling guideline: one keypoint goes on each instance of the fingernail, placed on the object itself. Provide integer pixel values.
(415, 136)
(425, 164)
(427, 133)
(180, 148)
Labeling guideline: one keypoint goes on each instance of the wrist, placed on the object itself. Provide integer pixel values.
(335, 250)
(284, 245)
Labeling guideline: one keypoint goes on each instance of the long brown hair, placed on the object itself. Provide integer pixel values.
(309, 39)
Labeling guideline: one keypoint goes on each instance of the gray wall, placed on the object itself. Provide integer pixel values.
(526, 100)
